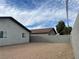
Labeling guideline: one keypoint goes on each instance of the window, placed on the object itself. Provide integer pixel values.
(23, 35)
(3, 34)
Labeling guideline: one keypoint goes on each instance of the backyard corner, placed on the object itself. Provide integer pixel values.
(37, 51)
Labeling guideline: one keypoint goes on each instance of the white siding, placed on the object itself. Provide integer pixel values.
(75, 38)
(14, 33)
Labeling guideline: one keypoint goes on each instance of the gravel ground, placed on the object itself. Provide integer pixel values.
(37, 51)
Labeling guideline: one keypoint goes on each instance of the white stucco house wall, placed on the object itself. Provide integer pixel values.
(75, 38)
(12, 32)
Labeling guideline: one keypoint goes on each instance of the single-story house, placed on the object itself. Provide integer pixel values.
(45, 31)
(12, 32)
(43, 35)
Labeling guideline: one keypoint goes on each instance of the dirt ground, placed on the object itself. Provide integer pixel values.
(37, 51)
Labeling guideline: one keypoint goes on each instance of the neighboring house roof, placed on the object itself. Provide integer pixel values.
(15, 22)
(43, 31)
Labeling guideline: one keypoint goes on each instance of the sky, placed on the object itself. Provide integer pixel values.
(35, 14)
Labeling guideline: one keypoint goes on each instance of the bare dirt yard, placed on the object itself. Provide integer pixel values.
(37, 51)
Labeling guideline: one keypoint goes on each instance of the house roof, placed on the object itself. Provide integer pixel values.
(16, 22)
(42, 31)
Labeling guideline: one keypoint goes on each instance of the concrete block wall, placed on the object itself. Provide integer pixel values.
(51, 38)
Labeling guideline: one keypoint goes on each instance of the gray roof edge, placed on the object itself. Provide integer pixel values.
(15, 22)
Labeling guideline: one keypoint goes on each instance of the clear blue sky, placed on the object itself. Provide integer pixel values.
(39, 13)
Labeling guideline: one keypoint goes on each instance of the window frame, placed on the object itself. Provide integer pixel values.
(3, 34)
(23, 35)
